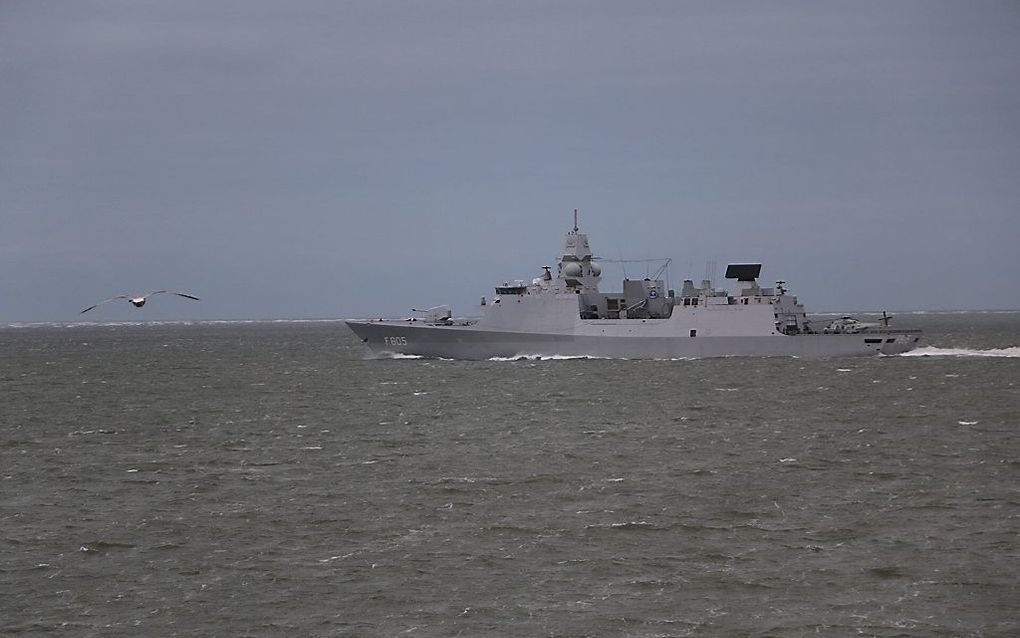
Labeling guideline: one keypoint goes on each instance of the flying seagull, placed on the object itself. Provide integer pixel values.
(139, 301)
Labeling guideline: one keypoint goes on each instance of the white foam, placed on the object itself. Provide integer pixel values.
(542, 357)
(932, 351)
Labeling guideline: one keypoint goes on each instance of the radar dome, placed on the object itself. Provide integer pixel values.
(572, 269)
(596, 270)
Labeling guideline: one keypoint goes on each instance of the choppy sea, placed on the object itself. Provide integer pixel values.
(269, 479)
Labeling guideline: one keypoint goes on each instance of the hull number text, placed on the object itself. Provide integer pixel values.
(395, 341)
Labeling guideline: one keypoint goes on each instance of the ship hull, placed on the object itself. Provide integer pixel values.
(477, 343)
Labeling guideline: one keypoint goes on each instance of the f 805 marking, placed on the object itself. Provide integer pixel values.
(395, 341)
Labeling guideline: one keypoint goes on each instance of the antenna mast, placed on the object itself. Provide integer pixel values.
(575, 220)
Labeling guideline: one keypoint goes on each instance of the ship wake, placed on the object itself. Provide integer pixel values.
(932, 351)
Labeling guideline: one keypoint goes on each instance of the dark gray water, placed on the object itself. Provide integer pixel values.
(266, 479)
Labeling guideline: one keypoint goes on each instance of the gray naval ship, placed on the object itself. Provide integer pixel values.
(566, 315)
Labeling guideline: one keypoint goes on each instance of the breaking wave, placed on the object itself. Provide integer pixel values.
(932, 351)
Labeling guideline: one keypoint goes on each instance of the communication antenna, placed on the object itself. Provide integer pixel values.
(575, 220)
(664, 268)
(710, 269)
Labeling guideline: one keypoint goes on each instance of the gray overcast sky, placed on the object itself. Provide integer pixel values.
(327, 159)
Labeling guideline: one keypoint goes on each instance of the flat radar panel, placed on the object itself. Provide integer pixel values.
(743, 272)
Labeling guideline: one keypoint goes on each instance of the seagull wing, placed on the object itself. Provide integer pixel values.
(173, 292)
(104, 301)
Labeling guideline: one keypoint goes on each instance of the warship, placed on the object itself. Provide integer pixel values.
(566, 315)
